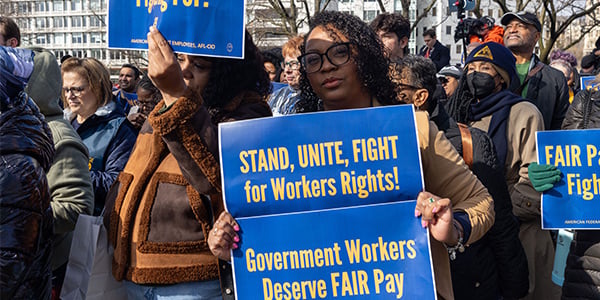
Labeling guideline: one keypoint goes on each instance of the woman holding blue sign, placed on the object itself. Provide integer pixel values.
(170, 190)
(343, 67)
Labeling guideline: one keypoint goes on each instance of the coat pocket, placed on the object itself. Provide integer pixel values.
(173, 219)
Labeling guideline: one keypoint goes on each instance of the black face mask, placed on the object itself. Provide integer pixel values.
(480, 84)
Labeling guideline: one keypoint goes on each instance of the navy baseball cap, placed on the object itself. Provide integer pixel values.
(523, 16)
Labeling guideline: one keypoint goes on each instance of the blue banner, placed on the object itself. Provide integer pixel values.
(324, 205)
(197, 27)
(587, 83)
(574, 202)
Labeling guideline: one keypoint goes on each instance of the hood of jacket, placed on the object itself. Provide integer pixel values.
(24, 130)
(102, 114)
(45, 84)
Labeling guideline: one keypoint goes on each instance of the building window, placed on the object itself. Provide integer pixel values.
(58, 5)
(458, 49)
(95, 5)
(58, 22)
(96, 21)
(40, 39)
(96, 38)
(77, 38)
(350, 12)
(448, 30)
(59, 38)
(25, 7)
(41, 23)
(490, 12)
(369, 15)
(40, 6)
(76, 21)
(76, 5)
(434, 12)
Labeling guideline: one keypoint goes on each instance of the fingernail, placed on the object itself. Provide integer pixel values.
(416, 213)
(423, 223)
(236, 227)
(235, 246)
(434, 210)
(236, 238)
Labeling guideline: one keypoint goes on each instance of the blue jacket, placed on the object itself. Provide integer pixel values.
(109, 138)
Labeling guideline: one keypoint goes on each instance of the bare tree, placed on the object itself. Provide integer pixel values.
(556, 17)
(276, 17)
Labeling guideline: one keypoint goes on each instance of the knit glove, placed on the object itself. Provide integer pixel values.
(543, 177)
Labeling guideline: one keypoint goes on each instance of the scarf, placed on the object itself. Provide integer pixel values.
(498, 106)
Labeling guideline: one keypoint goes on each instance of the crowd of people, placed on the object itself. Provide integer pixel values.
(145, 155)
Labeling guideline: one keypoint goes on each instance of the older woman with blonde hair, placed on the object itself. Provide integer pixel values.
(101, 124)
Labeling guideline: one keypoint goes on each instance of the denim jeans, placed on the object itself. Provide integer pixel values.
(200, 290)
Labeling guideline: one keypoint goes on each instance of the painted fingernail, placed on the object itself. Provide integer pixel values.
(416, 213)
(235, 246)
(236, 238)
(236, 227)
(423, 223)
(435, 210)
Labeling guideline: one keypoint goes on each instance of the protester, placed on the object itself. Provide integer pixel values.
(566, 63)
(26, 152)
(148, 96)
(283, 101)
(98, 120)
(174, 171)
(434, 50)
(10, 34)
(494, 267)
(582, 272)
(449, 77)
(71, 192)
(484, 101)
(272, 61)
(345, 54)
(125, 96)
(543, 86)
(394, 30)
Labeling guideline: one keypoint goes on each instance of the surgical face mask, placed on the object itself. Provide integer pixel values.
(481, 84)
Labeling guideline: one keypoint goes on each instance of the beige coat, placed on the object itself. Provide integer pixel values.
(446, 175)
(524, 121)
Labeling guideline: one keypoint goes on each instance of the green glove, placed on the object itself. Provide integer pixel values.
(543, 177)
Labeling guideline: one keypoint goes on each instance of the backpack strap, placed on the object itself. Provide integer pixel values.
(467, 144)
(531, 73)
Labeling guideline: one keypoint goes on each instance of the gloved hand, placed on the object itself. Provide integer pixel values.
(543, 177)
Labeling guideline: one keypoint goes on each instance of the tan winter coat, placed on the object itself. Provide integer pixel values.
(446, 175)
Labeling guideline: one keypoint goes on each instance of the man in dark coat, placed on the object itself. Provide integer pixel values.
(434, 50)
(26, 153)
(539, 84)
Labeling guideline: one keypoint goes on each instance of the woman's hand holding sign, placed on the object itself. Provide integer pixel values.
(223, 237)
(163, 68)
(436, 214)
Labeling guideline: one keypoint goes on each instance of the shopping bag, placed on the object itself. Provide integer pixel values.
(89, 270)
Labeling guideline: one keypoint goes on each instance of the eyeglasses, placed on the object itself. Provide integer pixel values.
(294, 65)
(75, 90)
(337, 55)
(401, 87)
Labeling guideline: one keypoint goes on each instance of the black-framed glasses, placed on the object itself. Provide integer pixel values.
(75, 90)
(401, 87)
(294, 64)
(337, 55)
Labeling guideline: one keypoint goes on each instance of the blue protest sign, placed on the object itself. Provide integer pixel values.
(587, 83)
(324, 205)
(207, 27)
(574, 202)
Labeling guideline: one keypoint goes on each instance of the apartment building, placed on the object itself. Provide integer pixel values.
(73, 27)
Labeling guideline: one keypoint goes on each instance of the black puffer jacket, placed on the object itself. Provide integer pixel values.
(582, 273)
(26, 152)
(495, 265)
(584, 112)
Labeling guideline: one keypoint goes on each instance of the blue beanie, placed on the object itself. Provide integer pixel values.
(498, 55)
